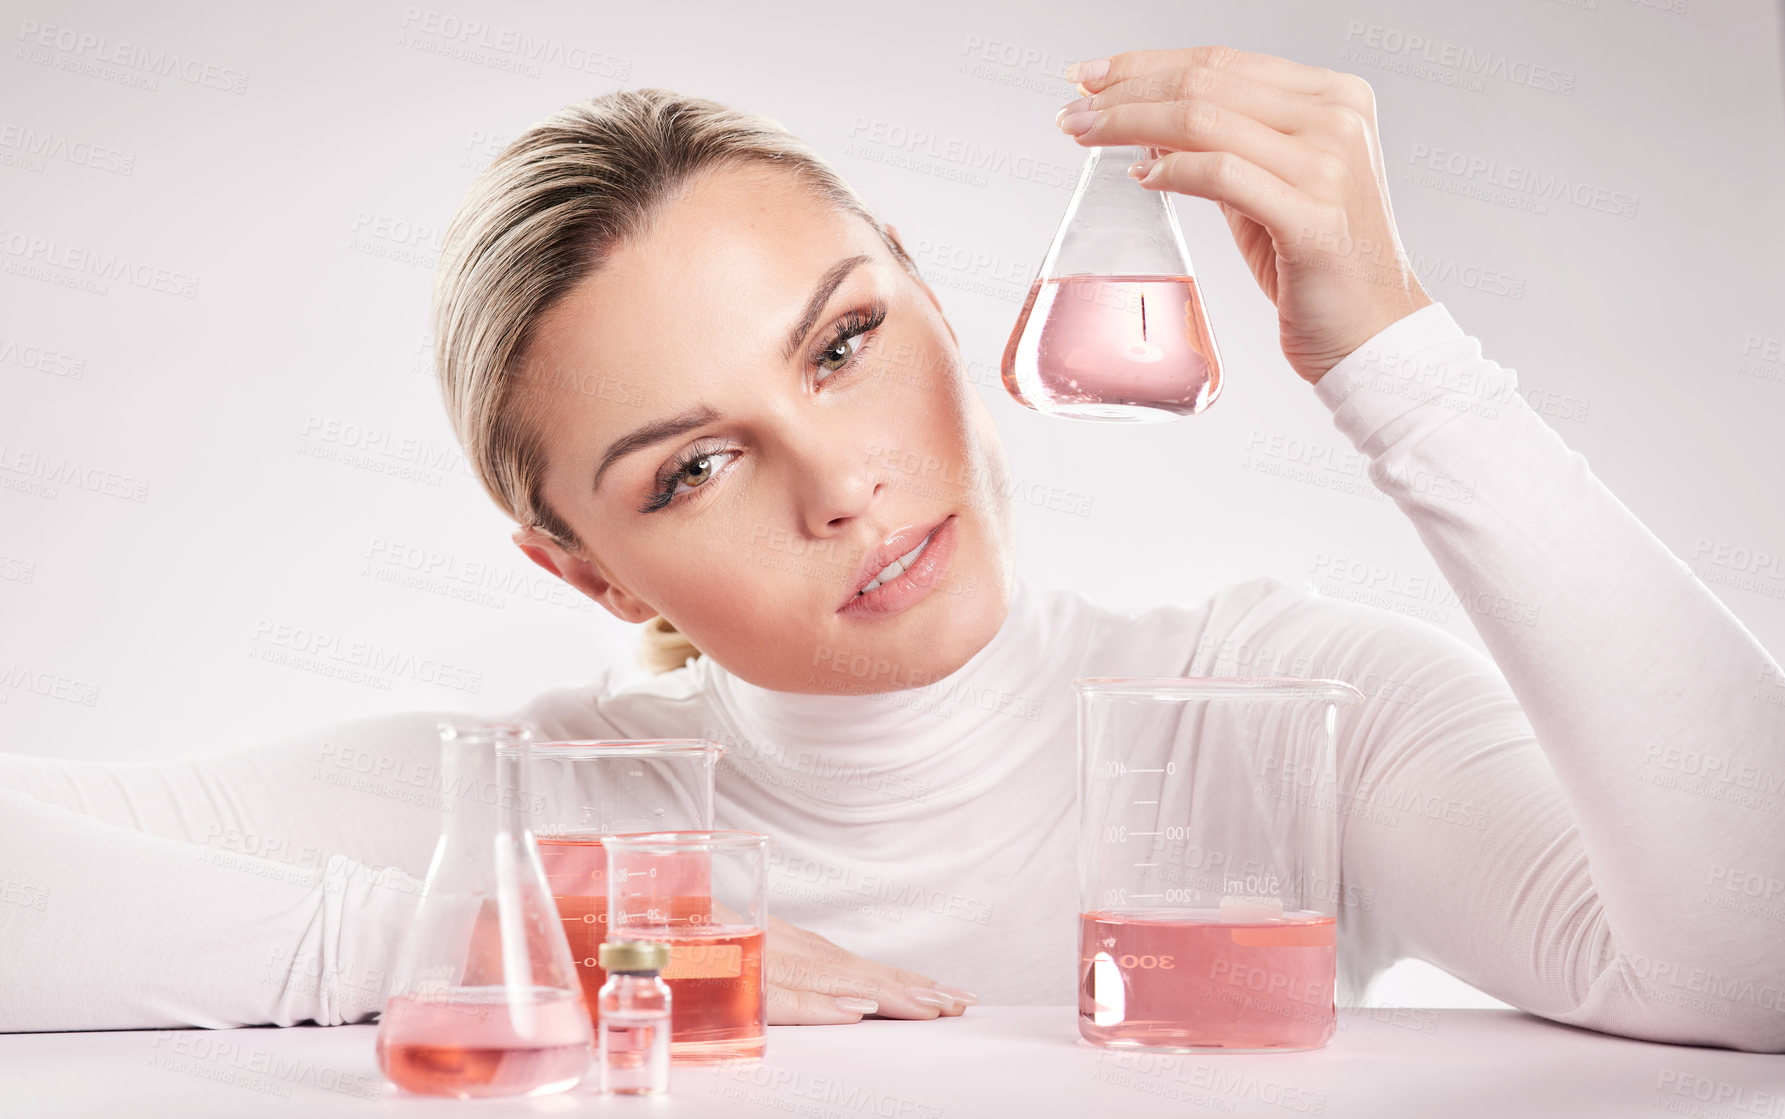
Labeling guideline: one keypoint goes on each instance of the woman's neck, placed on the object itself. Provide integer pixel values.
(998, 682)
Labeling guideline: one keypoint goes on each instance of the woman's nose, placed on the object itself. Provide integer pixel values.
(833, 481)
(834, 502)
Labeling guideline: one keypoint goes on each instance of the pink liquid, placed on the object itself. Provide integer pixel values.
(1180, 979)
(718, 1005)
(474, 1045)
(1113, 347)
(576, 873)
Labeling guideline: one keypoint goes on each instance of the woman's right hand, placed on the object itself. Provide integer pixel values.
(812, 981)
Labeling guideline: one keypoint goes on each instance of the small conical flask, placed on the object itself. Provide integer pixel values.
(1114, 326)
(484, 998)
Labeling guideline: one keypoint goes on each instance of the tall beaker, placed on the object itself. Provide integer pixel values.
(484, 999)
(591, 788)
(1208, 862)
(705, 894)
(1114, 326)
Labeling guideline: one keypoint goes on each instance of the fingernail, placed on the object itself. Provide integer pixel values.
(1141, 168)
(959, 995)
(1077, 123)
(1073, 107)
(926, 996)
(1087, 71)
(858, 1006)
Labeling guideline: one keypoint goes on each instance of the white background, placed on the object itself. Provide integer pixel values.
(280, 428)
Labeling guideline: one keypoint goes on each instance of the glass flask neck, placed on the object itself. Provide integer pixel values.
(483, 786)
(1113, 226)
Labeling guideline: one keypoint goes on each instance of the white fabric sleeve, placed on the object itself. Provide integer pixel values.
(110, 928)
(269, 885)
(1631, 879)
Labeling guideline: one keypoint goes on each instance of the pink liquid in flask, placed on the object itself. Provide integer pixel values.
(1181, 979)
(475, 1044)
(1114, 347)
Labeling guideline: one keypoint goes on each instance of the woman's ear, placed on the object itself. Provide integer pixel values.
(582, 574)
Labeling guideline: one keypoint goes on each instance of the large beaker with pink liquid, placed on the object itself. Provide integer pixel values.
(587, 789)
(1208, 862)
(1114, 326)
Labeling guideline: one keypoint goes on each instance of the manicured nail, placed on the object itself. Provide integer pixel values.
(1078, 123)
(1141, 168)
(959, 995)
(1073, 107)
(926, 996)
(858, 1006)
(1087, 71)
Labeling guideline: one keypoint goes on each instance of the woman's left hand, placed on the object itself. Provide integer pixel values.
(1291, 154)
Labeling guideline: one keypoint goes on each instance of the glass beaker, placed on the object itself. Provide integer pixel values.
(705, 893)
(590, 788)
(1114, 326)
(1208, 862)
(484, 999)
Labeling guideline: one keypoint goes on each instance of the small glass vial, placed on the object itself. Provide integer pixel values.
(633, 1029)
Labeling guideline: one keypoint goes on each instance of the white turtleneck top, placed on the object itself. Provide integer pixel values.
(1589, 825)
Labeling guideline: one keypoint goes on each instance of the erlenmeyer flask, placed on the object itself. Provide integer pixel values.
(484, 998)
(1114, 326)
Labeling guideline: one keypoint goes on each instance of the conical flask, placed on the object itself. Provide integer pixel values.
(1114, 326)
(484, 998)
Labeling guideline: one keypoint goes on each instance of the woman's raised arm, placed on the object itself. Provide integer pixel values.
(1660, 715)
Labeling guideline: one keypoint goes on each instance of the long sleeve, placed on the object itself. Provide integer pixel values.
(1627, 867)
(267, 885)
(109, 928)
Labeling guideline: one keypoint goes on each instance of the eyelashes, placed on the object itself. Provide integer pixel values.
(666, 481)
(852, 325)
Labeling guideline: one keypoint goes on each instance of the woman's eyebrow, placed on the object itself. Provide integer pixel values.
(655, 432)
(659, 430)
(820, 296)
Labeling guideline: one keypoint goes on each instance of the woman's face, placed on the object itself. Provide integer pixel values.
(741, 412)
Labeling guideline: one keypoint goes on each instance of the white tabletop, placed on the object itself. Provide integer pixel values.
(991, 1061)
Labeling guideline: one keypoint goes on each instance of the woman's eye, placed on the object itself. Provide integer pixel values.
(841, 351)
(699, 470)
(851, 336)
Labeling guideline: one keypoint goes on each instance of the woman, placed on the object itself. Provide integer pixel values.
(717, 398)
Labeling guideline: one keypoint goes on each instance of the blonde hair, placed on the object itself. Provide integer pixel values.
(553, 207)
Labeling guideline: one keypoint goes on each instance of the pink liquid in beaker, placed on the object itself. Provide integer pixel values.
(1114, 347)
(475, 1043)
(576, 873)
(717, 1006)
(1181, 979)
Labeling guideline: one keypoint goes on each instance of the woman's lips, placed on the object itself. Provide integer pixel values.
(912, 585)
